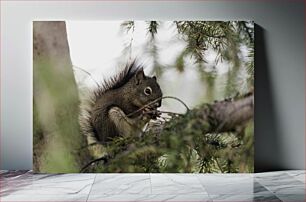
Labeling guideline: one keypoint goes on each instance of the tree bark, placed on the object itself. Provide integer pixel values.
(226, 116)
(57, 137)
(221, 116)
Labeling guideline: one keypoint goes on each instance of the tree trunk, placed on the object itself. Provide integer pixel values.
(57, 137)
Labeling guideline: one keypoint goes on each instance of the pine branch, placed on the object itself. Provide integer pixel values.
(180, 134)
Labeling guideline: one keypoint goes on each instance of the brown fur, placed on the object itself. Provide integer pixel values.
(123, 92)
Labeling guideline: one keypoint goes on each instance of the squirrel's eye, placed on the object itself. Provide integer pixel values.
(148, 91)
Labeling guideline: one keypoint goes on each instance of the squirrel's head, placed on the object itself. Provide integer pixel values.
(145, 89)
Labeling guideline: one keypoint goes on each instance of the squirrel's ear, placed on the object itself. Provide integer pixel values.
(139, 76)
(154, 77)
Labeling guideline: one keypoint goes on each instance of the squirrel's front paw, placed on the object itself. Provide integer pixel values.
(116, 112)
(150, 113)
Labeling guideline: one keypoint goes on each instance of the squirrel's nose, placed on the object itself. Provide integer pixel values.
(158, 104)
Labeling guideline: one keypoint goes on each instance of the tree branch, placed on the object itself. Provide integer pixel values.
(218, 117)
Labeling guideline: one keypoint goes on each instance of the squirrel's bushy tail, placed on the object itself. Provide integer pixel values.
(88, 103)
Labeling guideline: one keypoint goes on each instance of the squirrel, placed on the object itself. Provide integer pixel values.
(115, 107)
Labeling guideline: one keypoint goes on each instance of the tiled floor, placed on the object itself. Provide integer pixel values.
(273, 186)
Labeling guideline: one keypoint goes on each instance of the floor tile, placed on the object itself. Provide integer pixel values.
(14, 174)
(176, 184)
(216, 184)
(113, 184)
(16, 180)
(266, 198)
(292, 197)
(245, 198)
(48, 184)
(287, 186)
(149, 198)
(3, 171)
(43, 198)
(271, 175)
(260, 189)
(282, 183)
(298, 175)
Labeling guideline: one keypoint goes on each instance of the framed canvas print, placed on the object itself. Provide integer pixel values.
(143, 96)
